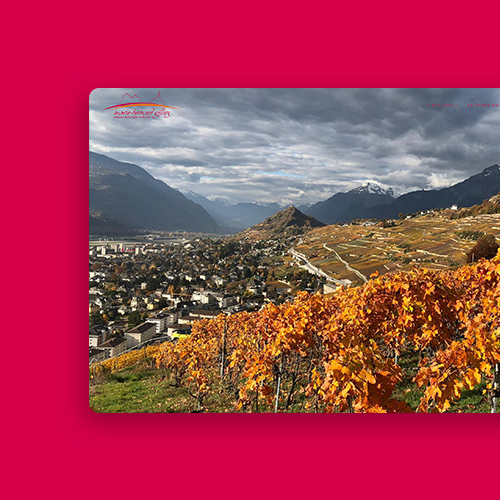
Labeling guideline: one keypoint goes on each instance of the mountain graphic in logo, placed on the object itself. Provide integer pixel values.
(158, 97)
(128, 101)
(131, 98)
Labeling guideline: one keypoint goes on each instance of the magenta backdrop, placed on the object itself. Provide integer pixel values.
(55, 446)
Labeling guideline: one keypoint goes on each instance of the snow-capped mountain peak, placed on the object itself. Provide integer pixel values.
(372, 188)
(493, 170)
(270, 204)
(219, 199)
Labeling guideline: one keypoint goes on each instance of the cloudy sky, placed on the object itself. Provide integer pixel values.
(302, 145)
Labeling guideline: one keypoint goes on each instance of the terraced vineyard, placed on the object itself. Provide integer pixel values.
(430, 241)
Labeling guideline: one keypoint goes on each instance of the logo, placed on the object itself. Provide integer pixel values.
(132, 107)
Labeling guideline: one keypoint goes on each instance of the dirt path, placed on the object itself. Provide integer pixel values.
(314, 270)
(346, 264)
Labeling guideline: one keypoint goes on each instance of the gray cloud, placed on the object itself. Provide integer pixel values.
(302, 145)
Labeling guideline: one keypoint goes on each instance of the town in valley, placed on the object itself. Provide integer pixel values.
(147, 291)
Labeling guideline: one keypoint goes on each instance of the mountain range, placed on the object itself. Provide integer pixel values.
(364, 202)
(343, 207)
(371, 201)
(471, 191)
(123, 198)
(233, 217)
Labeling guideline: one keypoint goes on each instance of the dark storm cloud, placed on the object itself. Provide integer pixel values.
(303, 145)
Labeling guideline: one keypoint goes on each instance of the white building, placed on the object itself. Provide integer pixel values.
(136, 303)
(96, 274)
(114, 346)
(218, 281)
(205, 298)
(140, 333)
(163, 319)
(122, 310)
(98, 334)
(96, 355)
(228, 302)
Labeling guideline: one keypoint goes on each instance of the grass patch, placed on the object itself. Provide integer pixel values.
(137, 391)
(147, 390)
(142, 389)
(472, 401)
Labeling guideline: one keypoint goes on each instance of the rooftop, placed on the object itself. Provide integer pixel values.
(144, 327)
(205, 312)
(113, 342)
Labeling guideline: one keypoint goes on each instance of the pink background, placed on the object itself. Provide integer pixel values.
(54, 445)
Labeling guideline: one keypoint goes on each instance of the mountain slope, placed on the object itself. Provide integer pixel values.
(491, 206)
(433, 241)
(133, 199)
(288, 222)
(343, 207)
(471, 191)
